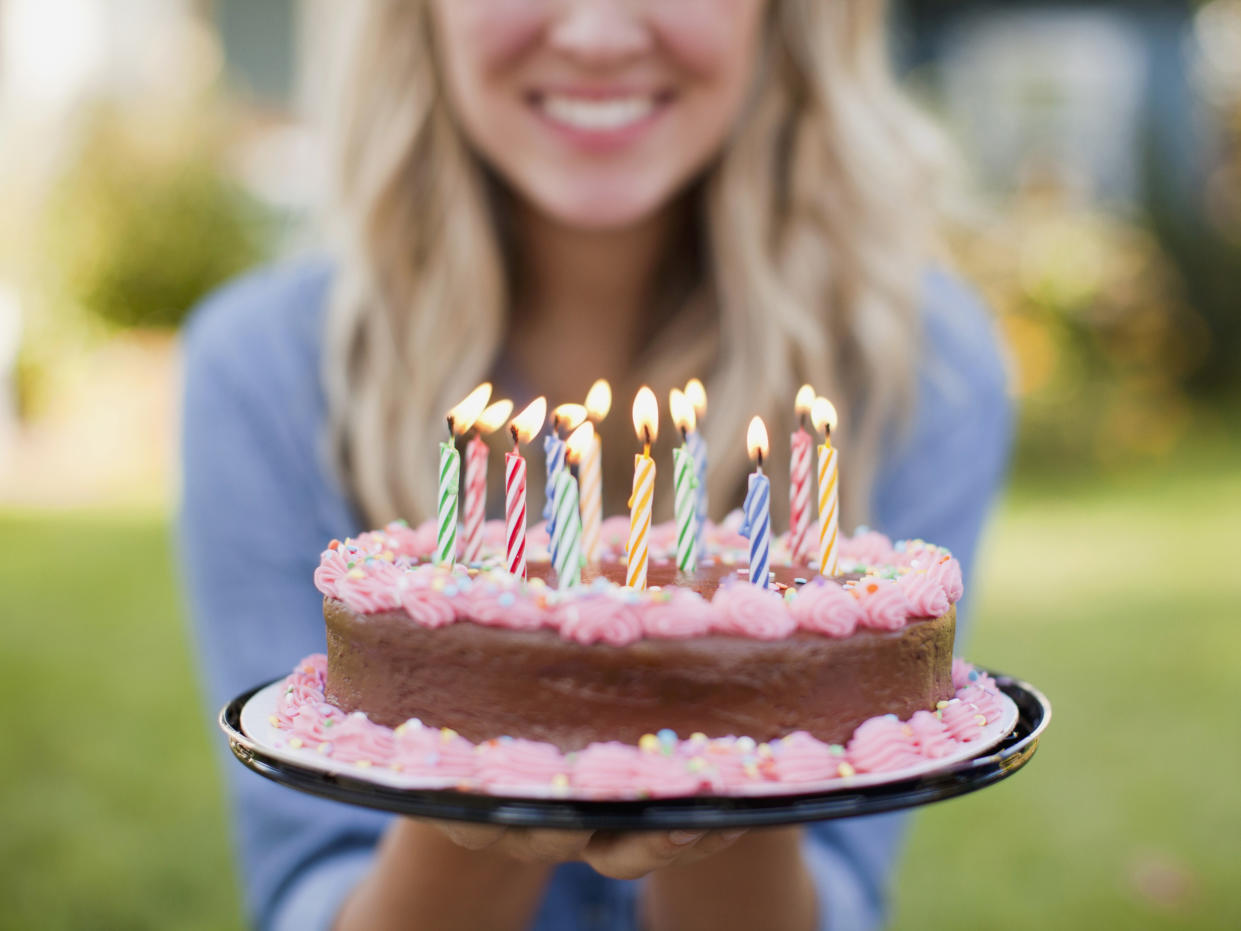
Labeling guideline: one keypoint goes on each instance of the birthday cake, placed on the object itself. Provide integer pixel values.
(811, 675)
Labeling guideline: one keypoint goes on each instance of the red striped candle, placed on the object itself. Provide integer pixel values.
(515, 513)
(524, 427)
(475, 498)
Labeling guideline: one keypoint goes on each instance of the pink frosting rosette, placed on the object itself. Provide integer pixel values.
(826, 608)
(685, 614)
(333, 564)
(598, 619)
(884, 603)
(750, 611)
(883, 744)
(370, 587)
(660, 776)
(509, 761)
(926, 595)
(948, 573)
(606, 769)
(930, 735)
(800, 757)
(359, 740)
(313, 722)
(987, 702)
(870, 548)
(963, 720)
(426, 606)
(614, 533)
(497, 605)
(426, 751)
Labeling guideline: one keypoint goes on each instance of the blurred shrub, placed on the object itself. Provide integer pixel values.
(144, 222)
(1103, 342)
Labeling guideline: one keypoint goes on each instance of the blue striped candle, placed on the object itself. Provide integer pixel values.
(757, 526)
(698, 451)
(553, 447)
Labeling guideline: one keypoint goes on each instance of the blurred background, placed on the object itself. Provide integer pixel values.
(153, 148)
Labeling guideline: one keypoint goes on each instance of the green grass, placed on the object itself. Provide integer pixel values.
(1121, 599)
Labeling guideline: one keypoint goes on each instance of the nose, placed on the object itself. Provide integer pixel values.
(600, 32)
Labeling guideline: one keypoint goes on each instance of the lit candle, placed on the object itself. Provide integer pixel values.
(757, 521)
(823, 416)
(476, 477)
(523, 428)
(799, 480)
(646, 425)
(598, 403)
(686, 482)
(460, 419)
(564, 417)
(568, 546)
(697, 396)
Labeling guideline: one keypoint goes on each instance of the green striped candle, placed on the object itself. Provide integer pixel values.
(450, 483)
(686, 506)
(567, 546)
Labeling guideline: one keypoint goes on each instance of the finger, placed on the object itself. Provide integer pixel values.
(630, 856)
(544, 845)
(712, 843)
(472, 836)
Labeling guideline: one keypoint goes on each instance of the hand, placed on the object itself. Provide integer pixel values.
(618, 855)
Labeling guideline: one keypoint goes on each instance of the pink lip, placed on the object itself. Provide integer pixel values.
(600, 141)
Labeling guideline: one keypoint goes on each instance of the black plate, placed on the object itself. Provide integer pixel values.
(696, 812)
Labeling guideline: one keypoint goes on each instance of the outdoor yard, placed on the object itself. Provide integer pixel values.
(1118, 598)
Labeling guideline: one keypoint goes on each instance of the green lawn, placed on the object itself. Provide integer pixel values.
(1120, 600)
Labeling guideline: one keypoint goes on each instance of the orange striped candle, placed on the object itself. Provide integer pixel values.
(646, 425)
(823, 415)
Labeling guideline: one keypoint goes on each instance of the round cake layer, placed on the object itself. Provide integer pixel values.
(487, 682)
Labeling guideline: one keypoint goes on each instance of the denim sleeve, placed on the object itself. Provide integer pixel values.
(255, 511)
(940, 482)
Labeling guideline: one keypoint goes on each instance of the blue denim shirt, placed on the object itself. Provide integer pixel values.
(259, 502)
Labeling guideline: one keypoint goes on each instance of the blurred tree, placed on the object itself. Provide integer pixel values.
(144, 222)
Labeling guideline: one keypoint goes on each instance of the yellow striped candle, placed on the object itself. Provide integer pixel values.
(823, 415)
(646, 424)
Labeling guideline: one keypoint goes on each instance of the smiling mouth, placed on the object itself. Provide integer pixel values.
(599, 114)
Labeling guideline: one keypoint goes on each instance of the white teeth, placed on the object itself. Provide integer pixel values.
(581, 113)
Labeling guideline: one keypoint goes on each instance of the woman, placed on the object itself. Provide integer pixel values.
(543, 192)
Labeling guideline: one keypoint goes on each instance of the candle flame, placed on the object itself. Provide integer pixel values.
(697, 395)
(568, 416)
(462, 417)
(579, 441)
(529, 422)
(756, 439)
(823, 415)
(646, 415)
(804, 400)
(490, 419)
(599, 400)
(682, 411)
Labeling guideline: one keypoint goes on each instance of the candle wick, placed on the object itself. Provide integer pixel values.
(760, 462)
(646, 436)
(450, 425)
(513, 430)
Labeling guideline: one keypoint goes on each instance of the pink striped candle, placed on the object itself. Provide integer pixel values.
(515, 513)
(799, 480)
(475, 498)
(524, 427)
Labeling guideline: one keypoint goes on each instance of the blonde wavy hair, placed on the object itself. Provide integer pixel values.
(815, 229)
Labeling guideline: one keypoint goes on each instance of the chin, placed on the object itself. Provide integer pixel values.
(601, 207)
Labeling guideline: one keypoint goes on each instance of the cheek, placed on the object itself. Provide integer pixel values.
(480, 39)
(710, 39)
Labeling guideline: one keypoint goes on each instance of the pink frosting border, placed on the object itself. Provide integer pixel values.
(387, 569)
(661, 765)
